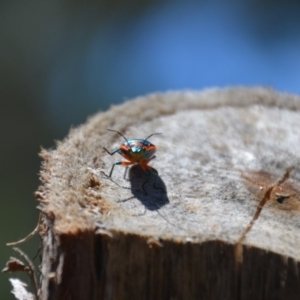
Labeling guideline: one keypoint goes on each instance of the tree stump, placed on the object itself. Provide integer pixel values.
(223, 225)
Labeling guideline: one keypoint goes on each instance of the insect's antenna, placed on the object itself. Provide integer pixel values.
(152, 135)
(118, 133)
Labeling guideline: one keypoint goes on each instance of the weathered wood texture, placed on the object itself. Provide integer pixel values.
(227, 226)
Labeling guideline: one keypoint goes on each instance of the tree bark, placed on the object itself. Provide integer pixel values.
(223, 225)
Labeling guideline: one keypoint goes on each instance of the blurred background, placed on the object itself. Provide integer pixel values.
(62, 61)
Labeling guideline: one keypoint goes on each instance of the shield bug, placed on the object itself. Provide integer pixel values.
(136, 151)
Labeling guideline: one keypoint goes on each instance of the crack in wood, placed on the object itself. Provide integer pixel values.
(263, 201)
(239, 246)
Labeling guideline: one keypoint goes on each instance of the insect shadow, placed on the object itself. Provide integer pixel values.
(156, 196)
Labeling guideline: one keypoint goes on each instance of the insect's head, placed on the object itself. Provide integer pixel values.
(134, 148)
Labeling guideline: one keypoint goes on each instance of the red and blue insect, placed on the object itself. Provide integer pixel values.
(136, 151)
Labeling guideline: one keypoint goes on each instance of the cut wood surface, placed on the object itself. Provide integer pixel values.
(226, 225)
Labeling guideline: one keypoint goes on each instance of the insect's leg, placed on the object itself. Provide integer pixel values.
(156, 175)
(125, 173)
(151, 159)
(123, 163)
(144, 183)
(112, 152)
(155, 180)
(113, 166)
(126, 163)
(148, 170)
